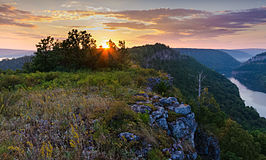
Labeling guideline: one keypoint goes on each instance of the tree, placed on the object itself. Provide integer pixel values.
(201, 77)
(78, 51)
(234, 139)
(42, 59)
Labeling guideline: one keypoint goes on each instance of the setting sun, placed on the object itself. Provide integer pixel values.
(105, 44)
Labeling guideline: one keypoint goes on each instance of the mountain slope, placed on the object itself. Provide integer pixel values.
(214, 59)
(185, 70)
(239, 55)
(253, 51)
(253, 73)
(15, 63)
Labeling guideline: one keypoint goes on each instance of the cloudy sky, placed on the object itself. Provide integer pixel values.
(177, 23)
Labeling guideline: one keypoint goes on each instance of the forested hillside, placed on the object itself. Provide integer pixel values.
(253, 73)
(15, 63)
(217, 60)
(185, 70)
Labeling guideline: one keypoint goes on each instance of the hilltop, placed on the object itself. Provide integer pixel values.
(217, 60)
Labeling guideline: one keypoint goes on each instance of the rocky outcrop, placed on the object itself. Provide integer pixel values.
(207, 146)
(181, 127)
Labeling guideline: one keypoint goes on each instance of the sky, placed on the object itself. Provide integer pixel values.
(227, 24)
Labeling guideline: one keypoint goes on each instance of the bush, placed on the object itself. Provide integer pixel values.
(9, 81)
(119, 116)
(155, 154)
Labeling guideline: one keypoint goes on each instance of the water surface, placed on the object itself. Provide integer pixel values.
(252, 98)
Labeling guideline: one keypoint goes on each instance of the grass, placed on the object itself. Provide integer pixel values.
(60, 115)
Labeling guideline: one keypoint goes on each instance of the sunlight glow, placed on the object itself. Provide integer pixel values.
(105, 44)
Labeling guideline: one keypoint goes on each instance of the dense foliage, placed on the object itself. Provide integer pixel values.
(217, 60)
(78, 51)
(253, 73)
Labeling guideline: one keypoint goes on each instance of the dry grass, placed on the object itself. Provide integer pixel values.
(75, 116)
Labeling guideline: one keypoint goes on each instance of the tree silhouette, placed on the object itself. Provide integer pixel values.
(78, 51)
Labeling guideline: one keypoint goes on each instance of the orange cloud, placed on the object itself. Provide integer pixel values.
(10, 15)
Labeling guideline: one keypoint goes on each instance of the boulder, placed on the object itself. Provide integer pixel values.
(172, 99)
(183, 109)
(190, 121)
(168, 101)
(178, 129)
(161, 112)
(165, 101)
(141, 108)
(178, 155)
(128, 136)
(162, 122)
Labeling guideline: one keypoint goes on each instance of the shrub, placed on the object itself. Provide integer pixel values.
(119, 116)
(155, 154)
(145, 117)
(9, 81)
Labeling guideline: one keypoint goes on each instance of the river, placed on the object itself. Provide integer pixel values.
(252, 98)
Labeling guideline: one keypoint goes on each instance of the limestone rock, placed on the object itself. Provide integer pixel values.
(162, 123)
(128, 136)
(183, 109)
(141, 108)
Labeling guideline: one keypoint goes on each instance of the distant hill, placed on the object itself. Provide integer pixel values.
(215, 59)
(253, 51)
(253, 73)
(15, 63)
(239, 55)
(12, 53)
